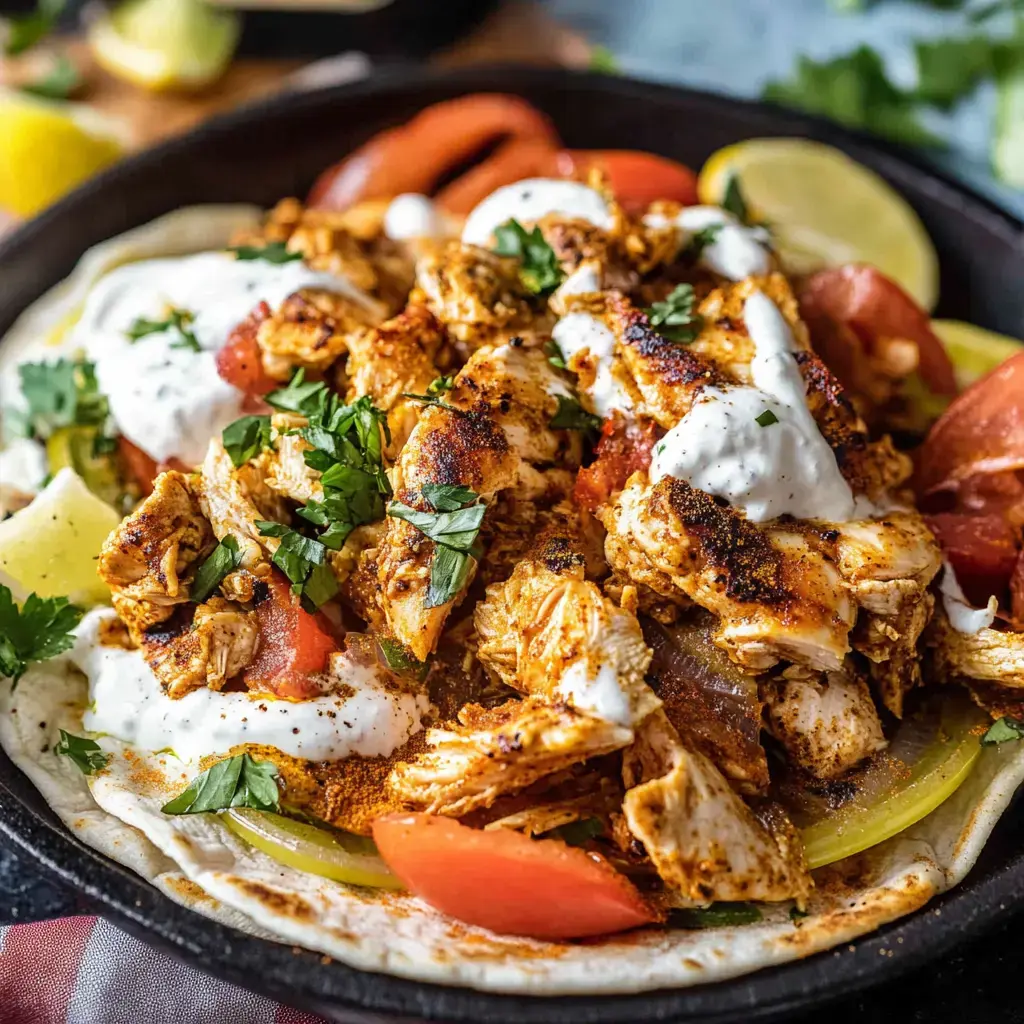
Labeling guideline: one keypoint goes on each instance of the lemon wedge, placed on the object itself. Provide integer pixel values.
(48, 148)
(974, 350)
(825, 209)
(165, 44)
(51, 546)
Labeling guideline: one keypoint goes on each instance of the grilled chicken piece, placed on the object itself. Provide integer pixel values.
(395, 359)
(284, 466)
(501, 407)
(827, 722)
(150, 557)
(500, 750)
(776, 595)
(228, 504)
(477, 296)
(548, 632)
(311, 330)
(216, 646)
(705, 842)
(988, 656)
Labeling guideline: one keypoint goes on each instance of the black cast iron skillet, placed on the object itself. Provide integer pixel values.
(275, 150)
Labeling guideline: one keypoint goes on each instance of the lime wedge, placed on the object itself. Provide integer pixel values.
(328, 852)
(51, 546)
(974, 350)
(165, 44)
(74, 447)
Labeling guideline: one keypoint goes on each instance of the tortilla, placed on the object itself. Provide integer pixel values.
(198, 862)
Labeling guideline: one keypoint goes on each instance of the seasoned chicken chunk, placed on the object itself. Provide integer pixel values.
(215, 646)
(988, 656)
(705, 842)
(827, 722)
(495, 419)
(150, 557)
(777, 597)
(490, 752)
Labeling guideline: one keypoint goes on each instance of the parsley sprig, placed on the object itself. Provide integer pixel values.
(347, 449)
(272, 252)
(238, 781)
(177, 320)
(453, 526)
(246, 438)
(225, 558)
(539, 269)
(85, 753)
(60, 394)
(39, 630)
(675, 317)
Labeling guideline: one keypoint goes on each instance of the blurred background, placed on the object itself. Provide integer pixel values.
(84, 83)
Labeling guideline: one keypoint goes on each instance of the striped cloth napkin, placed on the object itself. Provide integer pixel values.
(84, 970)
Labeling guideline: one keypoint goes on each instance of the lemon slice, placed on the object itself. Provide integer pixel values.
(51, 546)
(165, 44)
(329, 853)
(825, 209)
(47, 149)
(974, 350)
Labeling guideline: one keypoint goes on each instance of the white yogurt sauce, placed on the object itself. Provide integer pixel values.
(737, 252)
(584, 280)
(23, 465)
(126, 702)
(170, 400)
(578, 332)
(963, 617)
(527, 201)
(766, 471)
(412, 215)
(600, 695)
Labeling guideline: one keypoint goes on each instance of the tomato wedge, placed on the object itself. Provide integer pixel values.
(239, 362)
(507, 882)
(512, 161)
(293, 644)
(982, 432)
(621, 451)
(138, 465)
(848, 309)
(420, 153)
(981, 548)
(636, 178)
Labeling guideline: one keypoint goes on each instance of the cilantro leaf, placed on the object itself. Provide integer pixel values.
(449, 572)
(948, 69)
(570, 415)
(766, 419)
(734, 201)
(85, 753)
(456, 530)
(61, 394)
(26, 30)
(58, 83)
(307, 398)
(237, 781)
(433, 400)
(1003, 730)
(246, 438)
(539, 269)
(854, 90)
(448, 497)
(399, 658)
(701, 239)
(272, 252)
(577, 833)
(675, 318)
(225, 558)
(440, 385)
(40, 630)
(554, 354)
(718, 915)
(179, 320)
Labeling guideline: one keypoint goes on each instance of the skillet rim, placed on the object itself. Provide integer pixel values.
(233, 956)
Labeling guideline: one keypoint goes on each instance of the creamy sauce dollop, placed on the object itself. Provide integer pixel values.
(783, 467)
(578, 332)
(529, 200)
(126, 702)
(962, 615)
(166, 398)
(412, 215)
(736, 253)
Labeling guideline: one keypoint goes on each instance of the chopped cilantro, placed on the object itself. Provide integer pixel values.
(178, 320)
(577, 833)
(272, 252)
(39, 630)
(570, 415)
(440, 385)
(85, 753)
(225, 558)
(554, 354)
(700, 240)
(60, 394)
(675, 317)
(1003, 730)
(539, 269)
(766, 419)
(238, 781)
(718, 915)
(399, 659)
(246, 438)
(26, 30)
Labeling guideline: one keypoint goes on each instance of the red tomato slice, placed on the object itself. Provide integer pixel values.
(507, 882)
(437, 141)
(848, 308)
(636, 178)
(239, 361)
(293, 644)
(512, 161)
(138, 465)
(621, 451)
(982, 432)
(982, 549)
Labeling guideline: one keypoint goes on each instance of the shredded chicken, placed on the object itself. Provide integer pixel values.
(988, 656)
